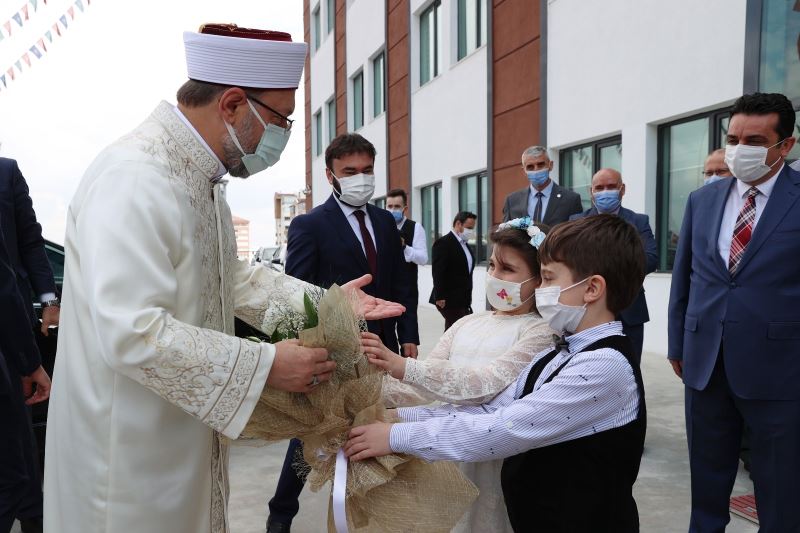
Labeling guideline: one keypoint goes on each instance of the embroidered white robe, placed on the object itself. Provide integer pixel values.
(147, 377)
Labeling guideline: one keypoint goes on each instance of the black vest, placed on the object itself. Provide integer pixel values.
(583, 485)
(407, 232)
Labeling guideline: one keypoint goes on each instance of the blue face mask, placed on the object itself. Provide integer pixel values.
(269, 148)
(607, 201)
(711, 179)
(397, 214)
(538, 177)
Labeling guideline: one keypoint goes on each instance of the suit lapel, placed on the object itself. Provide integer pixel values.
(522, 203)
(343, 229)
(552, 203)
(784, 195)
(457, 248)
(717, 211)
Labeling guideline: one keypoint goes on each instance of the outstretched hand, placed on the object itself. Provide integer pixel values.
(368, 441)
(369, 307)
(381, 356)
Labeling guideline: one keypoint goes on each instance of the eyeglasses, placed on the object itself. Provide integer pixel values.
(287, 122)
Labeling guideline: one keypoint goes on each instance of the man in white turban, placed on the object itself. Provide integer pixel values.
(149, 380)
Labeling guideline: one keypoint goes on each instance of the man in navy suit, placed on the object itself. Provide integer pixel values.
(20, 368)
(734, 321)
(607, 192)
(336, 242)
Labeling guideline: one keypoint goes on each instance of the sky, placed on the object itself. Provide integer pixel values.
(112, 66)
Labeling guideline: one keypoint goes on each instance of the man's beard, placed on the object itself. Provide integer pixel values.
(232, 155)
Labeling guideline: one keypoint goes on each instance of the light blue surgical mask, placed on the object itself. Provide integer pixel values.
(712, 179)
(607, 201)
(397, 214)
(269, 149)
(538, 177)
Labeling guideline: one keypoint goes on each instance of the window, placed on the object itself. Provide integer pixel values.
(378, 85)
(429, 32)
(358, 100)
(331, 110)
(379, 202)
(432, 213)
(55, 255)
(318, 132)
(471, 26)
(330, 9)
(578, 165)
(682, 150)
(473, 195)
(316, 29)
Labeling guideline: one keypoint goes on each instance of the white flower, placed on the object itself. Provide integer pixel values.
(533, 230)
(271, 320)
(297, 302)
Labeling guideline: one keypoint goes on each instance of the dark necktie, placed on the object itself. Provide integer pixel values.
(537, 211)
(369, 245)
(743, 230)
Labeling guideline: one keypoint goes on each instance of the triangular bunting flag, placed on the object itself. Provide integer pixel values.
(49, 35)
(35, 4)
(11, 73)
(7, 26)
(63, 19)
(27, 58)
(19, 65)
(57, 28)
(79, 3)
(71, 12)
(40, 42)
(25, 11)
(3, 79)
(35, 51)
(18, 19)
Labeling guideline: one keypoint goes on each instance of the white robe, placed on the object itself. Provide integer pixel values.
(145, 383)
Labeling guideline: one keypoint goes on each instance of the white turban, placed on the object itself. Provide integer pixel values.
(241, 57)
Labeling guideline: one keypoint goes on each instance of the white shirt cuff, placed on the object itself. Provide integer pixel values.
(46, 297)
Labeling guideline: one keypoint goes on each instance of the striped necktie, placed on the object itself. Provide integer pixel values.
(743, 230)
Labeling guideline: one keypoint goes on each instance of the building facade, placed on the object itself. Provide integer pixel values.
(287, 206)
(241, 228)
(452, 91)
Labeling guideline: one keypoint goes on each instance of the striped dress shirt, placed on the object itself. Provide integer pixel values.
(594, 392)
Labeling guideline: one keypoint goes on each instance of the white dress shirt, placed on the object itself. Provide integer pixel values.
(594, 392)
(546, 192)
(348, 211)
(733, 206)
(466, 250)
(418, 253)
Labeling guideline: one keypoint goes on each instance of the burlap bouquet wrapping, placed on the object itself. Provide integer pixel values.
(392, 493)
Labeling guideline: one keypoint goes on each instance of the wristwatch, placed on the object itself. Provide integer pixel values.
(55, 302)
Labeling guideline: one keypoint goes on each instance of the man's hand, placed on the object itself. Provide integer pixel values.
(409, 350)
(368, 441)
(381, 356)
(297, 368)
(677, 367)
(369, 307)
(440, 304)
(42, 382)
(50, 317)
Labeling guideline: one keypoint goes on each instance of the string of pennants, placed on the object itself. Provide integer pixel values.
(39, 47)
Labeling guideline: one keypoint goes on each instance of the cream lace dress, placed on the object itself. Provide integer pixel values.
(478, 357)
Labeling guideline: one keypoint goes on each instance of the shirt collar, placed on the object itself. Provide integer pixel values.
(457, 236)
(545, 192)
(349, 209)
(579, 341)
(765, 188)
(221, 170)
(400, 224)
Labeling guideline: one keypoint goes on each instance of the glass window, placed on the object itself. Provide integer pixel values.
(473, 195)
(471, 26)
(358, 100)
(331, 110)
(379, 202)
(378, 85)
(683, 148)
(316, 29)
(318, 132)
(779, 71)
(331, 14)
(432, 213)
(429, 32)
(579, 164)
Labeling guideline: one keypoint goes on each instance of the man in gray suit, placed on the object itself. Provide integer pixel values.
(543, 200)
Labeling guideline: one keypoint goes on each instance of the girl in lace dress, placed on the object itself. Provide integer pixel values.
(478, 357)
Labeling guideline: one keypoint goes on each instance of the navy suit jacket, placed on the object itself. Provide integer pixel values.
(23, 236)
(323, 249)
(755, 314)
(636, 314)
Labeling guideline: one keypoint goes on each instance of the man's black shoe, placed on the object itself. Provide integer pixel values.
(277, 527)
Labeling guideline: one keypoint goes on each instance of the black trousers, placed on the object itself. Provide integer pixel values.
(453, 314)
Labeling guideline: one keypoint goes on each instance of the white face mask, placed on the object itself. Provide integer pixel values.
(505, 295)
(467, 234)
(356, 190)
(748, 163)
(562, 318)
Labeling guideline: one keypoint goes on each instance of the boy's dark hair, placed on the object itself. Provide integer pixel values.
(520, 241)
(398, 192)
(348, 144)
(764, 104)
(603, 245)
(463, 216)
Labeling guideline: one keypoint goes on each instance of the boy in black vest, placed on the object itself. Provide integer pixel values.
(572, 427)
